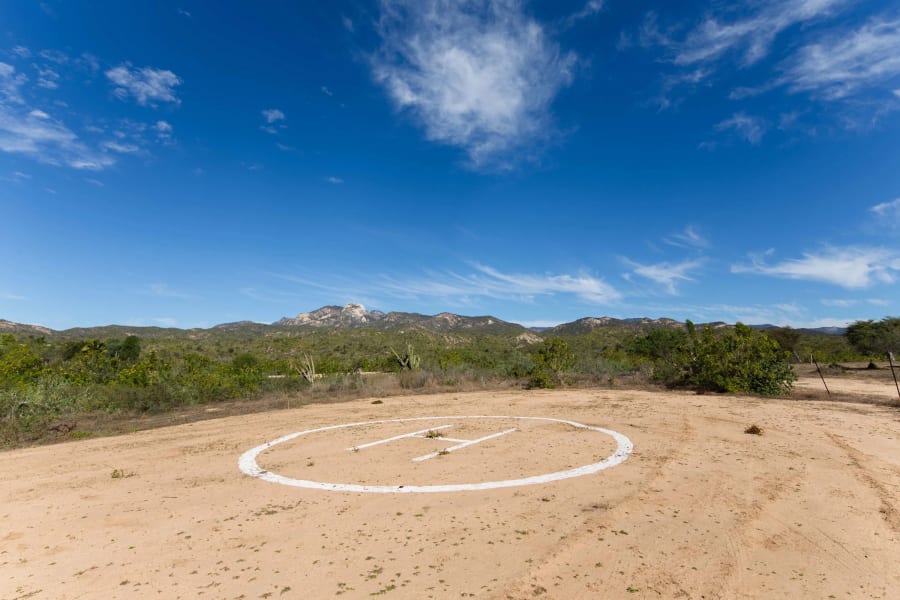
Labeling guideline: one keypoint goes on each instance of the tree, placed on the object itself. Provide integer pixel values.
(19, 365)
(875, 338)
(786, 337)
(740, 360)
(551, 361)
(128, 350)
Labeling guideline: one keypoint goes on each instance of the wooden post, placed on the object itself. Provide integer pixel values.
(813, 358)
(893, 372)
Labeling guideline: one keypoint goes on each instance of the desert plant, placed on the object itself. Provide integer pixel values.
(409, 361)
(307, 368)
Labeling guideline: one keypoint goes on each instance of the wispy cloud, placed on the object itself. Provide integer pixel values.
(347, 22)
(889, 212)
(12, 297)
(477, 75)
(11, 84)
(274, 120)
(273, 115)
(162, 290)
(119, 147)
(839, 302)
(21, 51)
(35, 134)
(846, 302)
(326, 91)
(482, 282)
(750, 35)
(849, 267)
(690, 237)
(747, 127)
(845, 63)
(47, 79)
(590, 8)
(166, 321)
(334, 180)
(147, 85)
(666, 274)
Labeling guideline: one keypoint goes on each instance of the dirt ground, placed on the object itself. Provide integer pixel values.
(808, 509)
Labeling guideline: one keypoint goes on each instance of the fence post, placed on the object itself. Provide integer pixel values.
(813, 358)
(894, 373)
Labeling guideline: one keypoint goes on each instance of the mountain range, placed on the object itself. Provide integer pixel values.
(355, 316)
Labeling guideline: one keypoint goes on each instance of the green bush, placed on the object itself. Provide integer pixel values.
(875, 338)
(738, 360)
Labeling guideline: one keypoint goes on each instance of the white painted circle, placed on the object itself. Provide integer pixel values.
(247, 462)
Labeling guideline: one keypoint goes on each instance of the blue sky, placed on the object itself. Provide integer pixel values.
(189, 163)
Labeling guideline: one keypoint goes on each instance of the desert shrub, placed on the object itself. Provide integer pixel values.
(666, 349)
(552, 360)
(414, 380)
(19, 365)
(875, 338)
(540, 379)
(738, 360)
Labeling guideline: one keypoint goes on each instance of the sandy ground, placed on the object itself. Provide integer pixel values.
(809, 509)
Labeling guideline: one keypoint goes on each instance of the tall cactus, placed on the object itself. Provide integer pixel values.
(410, 361)
(307, 369)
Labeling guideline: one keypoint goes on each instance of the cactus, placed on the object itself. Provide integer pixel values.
(410, 361)
(307, 369)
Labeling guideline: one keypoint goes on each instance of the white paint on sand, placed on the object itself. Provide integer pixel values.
(464, 444)
(248, 465)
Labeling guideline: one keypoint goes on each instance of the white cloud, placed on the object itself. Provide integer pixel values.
(273, 115)
(47, 78)
(162, 290)
(689, 237)
(55, 56)
(11, 84)
(751, 35)
(326, 91)
(89, 62)
(746, 126)
(477, 75)
(842, 303)
(274, 119)
(184, 13)
(120, 148)
(846, 63)
(35, 134)
(492, 283)
(166, 321)
(8, 296)
(334, 180)
(889, 211)
(590, 8)
(163, 131)
(484, 282)
(666, 274)
(347, 23)
(284, 147)
(147, 85)
(21, 51)
(849, 267)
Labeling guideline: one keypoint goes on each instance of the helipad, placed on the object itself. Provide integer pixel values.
(440, 431)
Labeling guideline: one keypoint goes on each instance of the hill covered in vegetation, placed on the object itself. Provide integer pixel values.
(47, 375)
